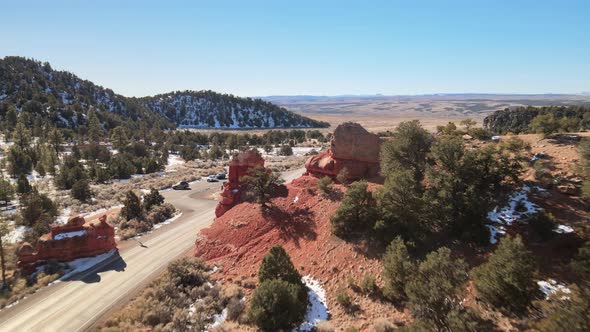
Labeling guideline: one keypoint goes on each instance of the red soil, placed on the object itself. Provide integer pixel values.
(237, 242)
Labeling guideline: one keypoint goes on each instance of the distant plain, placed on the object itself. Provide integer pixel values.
(381, 113)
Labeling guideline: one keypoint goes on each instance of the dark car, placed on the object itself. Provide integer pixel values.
(221, 176)
(181, 186)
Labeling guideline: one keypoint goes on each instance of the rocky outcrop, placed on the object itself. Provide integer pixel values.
(239, 165)
(76, 239)
(352, 148)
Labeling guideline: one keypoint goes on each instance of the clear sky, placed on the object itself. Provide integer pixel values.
(258, 48)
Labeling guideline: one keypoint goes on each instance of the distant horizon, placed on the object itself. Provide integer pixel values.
(327, 48)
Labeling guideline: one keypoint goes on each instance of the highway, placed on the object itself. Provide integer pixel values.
(76, 304)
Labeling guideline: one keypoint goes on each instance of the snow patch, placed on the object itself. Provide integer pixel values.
(17, 235)
(563, 229)
(519, 206)
(83, 264)
(296, 199)
(550, 287)
(219, 318)
(317, 309)
(68, 235)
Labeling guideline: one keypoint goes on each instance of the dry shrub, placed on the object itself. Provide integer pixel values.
(383, 325)
(325, 326)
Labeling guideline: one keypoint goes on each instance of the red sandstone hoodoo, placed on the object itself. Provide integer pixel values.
(240, 164)
(352, 148)
(75, 239)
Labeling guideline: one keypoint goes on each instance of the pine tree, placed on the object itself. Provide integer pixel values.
(22, 185)
(81, 190)
(6, 190)
(94, 128)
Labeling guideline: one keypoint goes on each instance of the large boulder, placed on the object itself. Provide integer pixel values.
(353, 142)
(352, 148)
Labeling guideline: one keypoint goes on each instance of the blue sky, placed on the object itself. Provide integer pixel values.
(257, 48)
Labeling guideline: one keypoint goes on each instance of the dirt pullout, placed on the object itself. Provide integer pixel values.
(299, 220)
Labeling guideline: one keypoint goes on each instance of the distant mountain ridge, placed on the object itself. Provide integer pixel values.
(64, 98)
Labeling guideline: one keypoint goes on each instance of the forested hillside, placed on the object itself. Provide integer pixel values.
(64, 99)
(518, 120)
(208, 109)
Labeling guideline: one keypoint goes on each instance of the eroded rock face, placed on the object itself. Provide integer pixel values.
(239, 165)
(353, 142)
(76, 239)
(352, 148)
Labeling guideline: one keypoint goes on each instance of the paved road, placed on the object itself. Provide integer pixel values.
(76, 304)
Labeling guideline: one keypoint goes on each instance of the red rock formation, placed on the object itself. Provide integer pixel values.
(75, 239)
(352, 147)
(240, 164)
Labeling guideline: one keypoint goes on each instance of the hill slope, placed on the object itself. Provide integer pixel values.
(208, 109)
(64, 99)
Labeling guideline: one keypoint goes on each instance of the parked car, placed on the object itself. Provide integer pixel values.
(221, 176)
(181, 186)
(212, 178)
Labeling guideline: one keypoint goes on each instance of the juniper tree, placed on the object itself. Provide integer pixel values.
(259, 184)
(506, 279)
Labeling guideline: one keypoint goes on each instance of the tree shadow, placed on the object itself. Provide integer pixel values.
(293, 225)
(115, 263)
(564, 139)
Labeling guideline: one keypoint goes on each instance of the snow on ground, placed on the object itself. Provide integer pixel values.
(166, 222)
(17, 235)
(174, 160)
(68, 235)
(494, 231)
(317, 309)
(301, 151)
(519, 206)
(219, 318)
(64, 216)
(83, 264)
(296, 199)
(563, 229)
(550, 287)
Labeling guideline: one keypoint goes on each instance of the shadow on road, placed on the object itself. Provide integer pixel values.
(116, 263)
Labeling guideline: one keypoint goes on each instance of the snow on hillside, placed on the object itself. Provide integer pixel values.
(206, 109)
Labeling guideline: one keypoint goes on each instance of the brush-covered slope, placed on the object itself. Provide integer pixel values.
(64, 99)
(208, 109)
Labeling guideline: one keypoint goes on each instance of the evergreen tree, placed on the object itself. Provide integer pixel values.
(131, 206)
(55, 140)
(407, 150)
(277, 265)
(506, 279)
(119, 137)
(153, 198)
(401, 207)
(81, 190)
(19, 161)
(6, 191)
(22, 135)
(397, 269)
(434, 291)
(94, 128)
(259, 184)
(356, 211)
(275, 306)
(22, 185)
